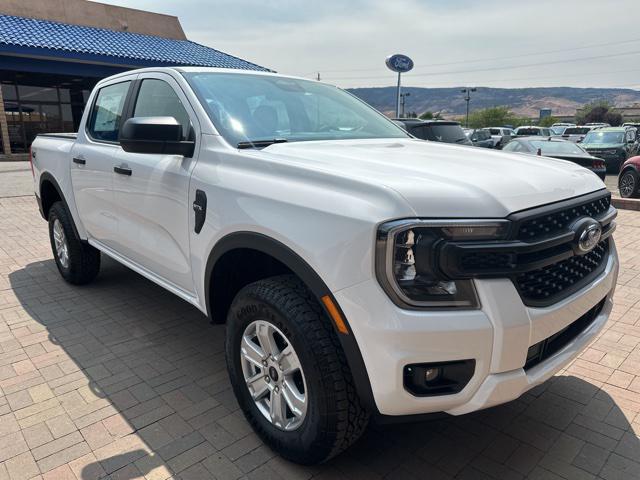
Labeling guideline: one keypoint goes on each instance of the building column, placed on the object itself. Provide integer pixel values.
(4, 129)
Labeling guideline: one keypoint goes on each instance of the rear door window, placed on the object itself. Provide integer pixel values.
(104, 122)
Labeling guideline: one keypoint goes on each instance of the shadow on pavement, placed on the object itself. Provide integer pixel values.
(150, 370)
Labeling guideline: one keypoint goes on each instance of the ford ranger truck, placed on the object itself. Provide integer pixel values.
(360, 271)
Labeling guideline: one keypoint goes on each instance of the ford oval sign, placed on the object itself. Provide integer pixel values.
(399, 63)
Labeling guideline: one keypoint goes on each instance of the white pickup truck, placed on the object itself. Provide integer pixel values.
(359, 271)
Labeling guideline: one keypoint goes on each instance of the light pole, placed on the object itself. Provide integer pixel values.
(403, 96)
(467, 97)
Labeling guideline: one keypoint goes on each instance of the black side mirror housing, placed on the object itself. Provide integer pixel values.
(159, 135)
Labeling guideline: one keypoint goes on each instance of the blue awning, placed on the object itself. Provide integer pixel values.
(45, 39)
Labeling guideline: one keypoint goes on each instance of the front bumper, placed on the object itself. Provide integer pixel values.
(497, 337)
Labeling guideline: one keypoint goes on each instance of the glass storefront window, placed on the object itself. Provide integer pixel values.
(65, 95)
(8, 92)
(67, 118)
(37, 94)
(33, 109)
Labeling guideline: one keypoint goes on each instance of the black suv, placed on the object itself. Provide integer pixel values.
(435, 130)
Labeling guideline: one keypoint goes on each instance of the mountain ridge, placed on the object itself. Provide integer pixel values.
(525, 102)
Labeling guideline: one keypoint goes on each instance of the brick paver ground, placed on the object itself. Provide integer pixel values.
(121, 379)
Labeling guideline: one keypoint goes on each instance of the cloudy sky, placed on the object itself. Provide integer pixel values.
(583, 43)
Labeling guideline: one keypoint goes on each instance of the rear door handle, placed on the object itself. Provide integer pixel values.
(122, 170)
(79, 161)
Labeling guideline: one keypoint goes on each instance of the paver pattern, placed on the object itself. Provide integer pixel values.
(122, 380)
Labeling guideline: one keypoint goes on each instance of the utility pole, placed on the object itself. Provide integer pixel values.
(318, 76)
(467, 97)
(403, 96)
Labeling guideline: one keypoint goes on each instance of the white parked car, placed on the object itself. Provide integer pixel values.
(500, 135)
(359, 271)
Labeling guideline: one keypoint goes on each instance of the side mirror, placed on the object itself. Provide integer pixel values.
(159, 135)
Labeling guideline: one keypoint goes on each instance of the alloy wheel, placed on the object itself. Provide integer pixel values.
(60, 241)
(273, 375)
(627, 185)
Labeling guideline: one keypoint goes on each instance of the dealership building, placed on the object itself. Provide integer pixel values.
(52, 53)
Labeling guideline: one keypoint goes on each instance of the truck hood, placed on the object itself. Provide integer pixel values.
(443, 180)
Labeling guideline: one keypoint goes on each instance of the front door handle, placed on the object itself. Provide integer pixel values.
(122, 170)
(79, 161)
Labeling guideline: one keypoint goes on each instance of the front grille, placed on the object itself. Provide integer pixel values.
(554, 282)
(555, 222)
(541, 351)
(477, 261)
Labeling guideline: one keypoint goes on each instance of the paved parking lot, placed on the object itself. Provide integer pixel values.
(124, 380)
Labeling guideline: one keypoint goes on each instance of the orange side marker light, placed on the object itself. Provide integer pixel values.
(335, 314)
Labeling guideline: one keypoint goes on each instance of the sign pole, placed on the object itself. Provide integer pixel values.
(398, 97)
(400, 64)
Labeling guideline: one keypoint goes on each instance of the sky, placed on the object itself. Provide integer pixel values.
(587, 43)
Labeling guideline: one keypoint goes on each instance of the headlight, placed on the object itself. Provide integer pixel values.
(407, 260)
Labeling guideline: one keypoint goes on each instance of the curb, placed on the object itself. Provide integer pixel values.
(626, 203)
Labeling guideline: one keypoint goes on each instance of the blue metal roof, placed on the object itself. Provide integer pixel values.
(61, 40)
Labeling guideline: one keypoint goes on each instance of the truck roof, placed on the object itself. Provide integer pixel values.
(203, 70)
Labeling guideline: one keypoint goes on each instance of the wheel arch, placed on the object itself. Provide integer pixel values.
(629, 166)
(247, 241)
(50, 192)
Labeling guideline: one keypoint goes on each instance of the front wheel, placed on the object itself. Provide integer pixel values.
(629, 184)
(289, 372)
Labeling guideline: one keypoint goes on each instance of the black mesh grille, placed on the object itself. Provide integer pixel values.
(479, 261)
(556, 222)
(559, 280)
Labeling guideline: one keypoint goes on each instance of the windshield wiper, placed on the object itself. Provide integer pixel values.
(260, 143)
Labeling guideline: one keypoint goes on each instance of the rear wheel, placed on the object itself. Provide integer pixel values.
(629, 184)
(289, 372)
(77, 261)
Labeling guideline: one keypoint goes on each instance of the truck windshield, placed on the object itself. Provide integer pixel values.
(253, 108)
(604, 137)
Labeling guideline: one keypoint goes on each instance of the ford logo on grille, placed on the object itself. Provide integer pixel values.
(588, 235)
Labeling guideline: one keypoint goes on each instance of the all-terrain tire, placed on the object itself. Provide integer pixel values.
(335, 418)
(82, 260)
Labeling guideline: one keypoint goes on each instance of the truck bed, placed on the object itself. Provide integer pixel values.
(70, 136)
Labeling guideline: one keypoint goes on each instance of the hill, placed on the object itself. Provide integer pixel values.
(525, 102)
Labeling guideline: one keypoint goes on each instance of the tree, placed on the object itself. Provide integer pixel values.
(600, 111)
(547, 121)
(427, 115)
(494, 117)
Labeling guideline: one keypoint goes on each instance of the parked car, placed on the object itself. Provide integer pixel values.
(528, 131)
(479, 137)
(359, 271)
(560, 149)
(558, 130)
(597, 124)
(435, 130)
(576, 134)
(500, 135)
(563, 124)
(629, 178)
(613, 144)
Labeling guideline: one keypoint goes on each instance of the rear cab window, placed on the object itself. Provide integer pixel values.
(106, 114)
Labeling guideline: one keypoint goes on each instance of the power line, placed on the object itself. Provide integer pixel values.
(489, 59)
(581, 75)
(491, 69)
